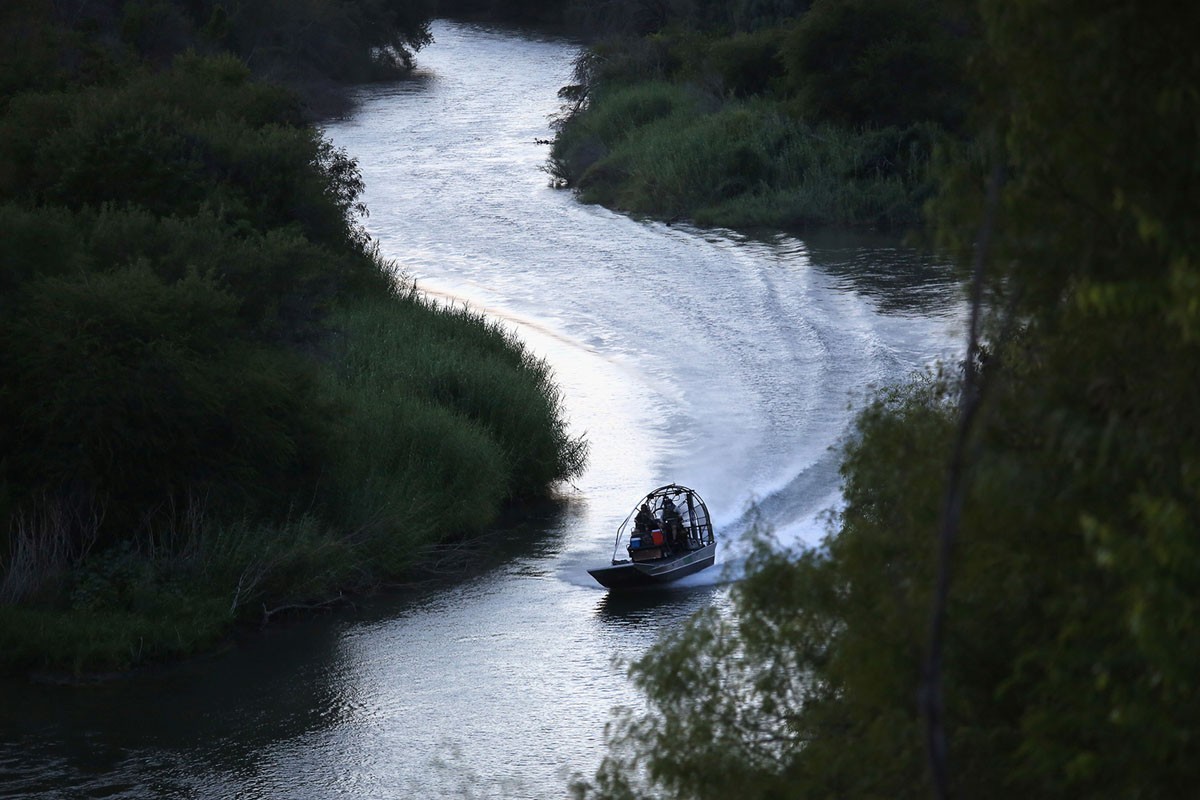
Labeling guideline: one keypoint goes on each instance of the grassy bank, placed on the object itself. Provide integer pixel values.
(219, 401)
(665, 150)
(789, 118)
(437, 417)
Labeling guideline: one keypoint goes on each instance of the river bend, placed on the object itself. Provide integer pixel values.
(702, 357)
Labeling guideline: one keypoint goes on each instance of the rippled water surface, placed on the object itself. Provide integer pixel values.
(705, 358)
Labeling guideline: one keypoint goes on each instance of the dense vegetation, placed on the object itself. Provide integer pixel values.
(218, 400)
(773, 115)
(1071, 665)
(309, 47)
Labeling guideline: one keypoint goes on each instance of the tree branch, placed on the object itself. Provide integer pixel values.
(932, 703)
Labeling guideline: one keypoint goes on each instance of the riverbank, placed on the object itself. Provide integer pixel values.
(221, 401)
(660, 150)
(827, 118)
(442, 418)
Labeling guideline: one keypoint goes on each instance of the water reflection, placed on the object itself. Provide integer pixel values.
(899, 279)
(214, 714)
(209, 725)
(653, 606)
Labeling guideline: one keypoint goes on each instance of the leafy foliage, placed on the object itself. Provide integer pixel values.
(747, 64)
(647, 17)
(145, 393)
(200, 137)
(306, 46)
(442, 415)
(867, 62)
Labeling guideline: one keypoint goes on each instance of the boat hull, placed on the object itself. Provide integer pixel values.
(659, 571)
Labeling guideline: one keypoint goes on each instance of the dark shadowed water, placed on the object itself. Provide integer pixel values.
(701, 357)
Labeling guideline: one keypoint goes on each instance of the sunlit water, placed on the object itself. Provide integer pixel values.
(728, 364)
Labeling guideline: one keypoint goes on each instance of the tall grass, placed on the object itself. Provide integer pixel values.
(43, 544)
(166, 596)
(442, 386)
(664, 150)
(437, 418)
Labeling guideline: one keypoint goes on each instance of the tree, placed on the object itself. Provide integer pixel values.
(879, 62)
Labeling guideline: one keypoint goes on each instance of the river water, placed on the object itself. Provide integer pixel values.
(706, 358)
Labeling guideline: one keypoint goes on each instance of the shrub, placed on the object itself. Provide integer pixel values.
(198, 137)
(609, 122)
(748, 165)
(138, 392)
(748, 63)
(867, 62)
(442, 414)
(37, 243)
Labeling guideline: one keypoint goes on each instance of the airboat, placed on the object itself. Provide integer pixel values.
(667, 536)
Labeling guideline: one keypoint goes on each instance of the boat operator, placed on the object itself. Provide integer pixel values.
(672, 522)
(645, 521)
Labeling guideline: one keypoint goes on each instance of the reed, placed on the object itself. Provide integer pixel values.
(43, 544)
(446, 415)
(741, 163)
(437, 417)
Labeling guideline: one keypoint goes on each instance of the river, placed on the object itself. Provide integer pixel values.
(723, 362)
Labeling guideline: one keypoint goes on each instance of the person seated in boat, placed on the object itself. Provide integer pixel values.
(645, 521)
(672, 522)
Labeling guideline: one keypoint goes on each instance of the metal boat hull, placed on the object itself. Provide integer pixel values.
(633, 575)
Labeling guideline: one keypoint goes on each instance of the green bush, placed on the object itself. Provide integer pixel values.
(878, 63)
(141, 392)
(748, 64)
(349, 41)
(37, 243)
(753, 15)
(155, 29)
(609, 122)
(306, 46)
(199, 137)
(285, 284)
(618, 116)
(443, 416)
